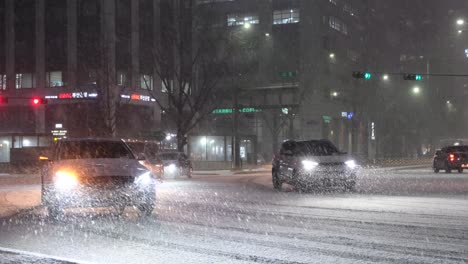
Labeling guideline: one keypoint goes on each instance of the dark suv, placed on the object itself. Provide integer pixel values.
(305, 164)
(451, 158)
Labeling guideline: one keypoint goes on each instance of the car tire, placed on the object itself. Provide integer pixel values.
(54, 212)
(350, 186)
(436, 170)
(448, 171)
(146, 206)
(460, 170)
(277, 183)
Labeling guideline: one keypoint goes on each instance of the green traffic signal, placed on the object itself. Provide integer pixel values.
(418, 77)
(367, 75)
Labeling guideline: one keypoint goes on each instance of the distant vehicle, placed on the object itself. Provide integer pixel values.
(95, 172)
(151, 161)
(314, 163)
(451, 158)
(175, 164)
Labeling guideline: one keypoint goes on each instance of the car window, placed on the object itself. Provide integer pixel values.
(93, 150)
(316, 148)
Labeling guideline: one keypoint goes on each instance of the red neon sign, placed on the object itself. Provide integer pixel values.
(65, 96)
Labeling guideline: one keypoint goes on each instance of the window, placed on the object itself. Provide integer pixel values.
(121, 78)
(164, 88)
(353, 55)
(338, 25)
(347, 8)
(2, 81)
(146, 82)
(54, 79)
(24, 80)
(241, 19)
(333, 2)
(288, 16)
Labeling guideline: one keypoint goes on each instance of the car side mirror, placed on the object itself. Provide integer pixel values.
(141, 156)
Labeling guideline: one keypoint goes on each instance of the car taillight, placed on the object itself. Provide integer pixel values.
(452, 157)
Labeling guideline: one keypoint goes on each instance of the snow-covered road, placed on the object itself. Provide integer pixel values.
(404, 216)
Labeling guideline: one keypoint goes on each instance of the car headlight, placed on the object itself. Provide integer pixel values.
(171, 168)
(351, 164)
(309, 165)
(65, 180)
(144, 179)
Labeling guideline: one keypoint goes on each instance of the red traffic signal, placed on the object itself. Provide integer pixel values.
(3, 100)
(38, 101)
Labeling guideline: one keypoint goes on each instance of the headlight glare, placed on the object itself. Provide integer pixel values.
(171, 168)
(351, 164)
(309, 165)
(144, 179)
(65, 180)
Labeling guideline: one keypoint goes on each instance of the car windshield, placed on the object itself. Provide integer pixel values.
(315, 148)
(457, 149)
(93, 150)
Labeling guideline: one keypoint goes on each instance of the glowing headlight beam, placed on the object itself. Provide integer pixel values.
(171, 168)
(144, 179)
(65, 180)
(309, 165)
(351, 164)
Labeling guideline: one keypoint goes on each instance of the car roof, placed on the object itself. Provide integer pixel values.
(94, 139)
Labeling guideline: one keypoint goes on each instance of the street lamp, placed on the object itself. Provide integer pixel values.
(460, 22)
(416, 90)
(332, 55)
(385, 77)
(247, 25)
(335, 94)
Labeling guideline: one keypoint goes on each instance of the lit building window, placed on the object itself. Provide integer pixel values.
(241, 19)
(338, 25)
(146, 82)
(121, 78)
(2, 81)
(54, 79)
(286, 16)
(24, 80)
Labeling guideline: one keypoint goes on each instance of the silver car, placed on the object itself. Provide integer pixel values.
(95, 172)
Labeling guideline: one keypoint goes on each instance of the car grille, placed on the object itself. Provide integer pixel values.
(107, 181)
(330, 164)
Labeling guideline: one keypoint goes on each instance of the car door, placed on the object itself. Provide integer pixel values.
(286, 161)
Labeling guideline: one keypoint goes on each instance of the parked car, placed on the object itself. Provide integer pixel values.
(451, 158)
(313, 163)
(95, 172)
(176, 164)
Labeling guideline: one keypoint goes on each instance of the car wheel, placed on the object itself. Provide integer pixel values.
(448, 171)
(436, 170)
(54, 212)
(277, 183)
(351, 186)
(146, 205)
(460, 170)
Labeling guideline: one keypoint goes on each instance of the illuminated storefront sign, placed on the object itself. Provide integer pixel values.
(241, 110)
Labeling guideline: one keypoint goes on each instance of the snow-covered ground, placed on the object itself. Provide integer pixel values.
(404, 216)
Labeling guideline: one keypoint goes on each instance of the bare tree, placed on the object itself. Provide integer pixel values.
(191, 63)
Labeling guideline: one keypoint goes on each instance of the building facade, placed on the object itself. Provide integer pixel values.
(90, 60)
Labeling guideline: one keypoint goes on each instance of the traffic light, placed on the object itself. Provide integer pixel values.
(412, 77)
(3, 100)
(38, 101)
(362, 75)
